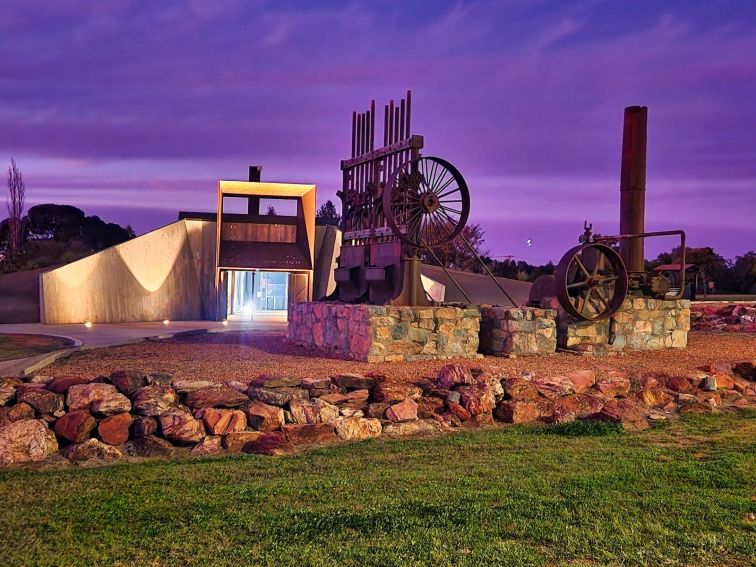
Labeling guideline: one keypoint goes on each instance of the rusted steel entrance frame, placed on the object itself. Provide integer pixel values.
(633, 187)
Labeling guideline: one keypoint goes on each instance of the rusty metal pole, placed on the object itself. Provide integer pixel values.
(633, 186)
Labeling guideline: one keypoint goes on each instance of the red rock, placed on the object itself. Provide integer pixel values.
(187, 386)
(310, 434)
(313, 411)
(61, 384)
(181, 427)
(154, 400)
(210, 445)
(459, 411)
(335, 398)
(264, 417)
(654, 397)
(408, 428)
(724, 381)
(44, 401)
(565, 410)
(481, 420)
(746, 370)
(613, 383)
(81, 396)
(26, 440)
(622, 411)
(403, 411)
(277, 396)
(517, 411)
(392, 392)
(356, 428)
(17, 412)
(582, 380)
(354, 381)
(429, 407)
(91, 449)
(235, 442)
(128, 382)
(150, 446)
(144, 427)
(679, 384)
(266, 381)
(711, 398)
(519, 389)
(113, 405)
(271, 443)
(215, 397)
(358, 396)
(223, 421)
(554, 387)
(377, 410)
(75, 426)
(114, 430)
(452, 375)
(7, 394)
(477, 398)
(696, 408)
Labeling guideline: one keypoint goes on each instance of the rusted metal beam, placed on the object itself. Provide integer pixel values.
(633, 186)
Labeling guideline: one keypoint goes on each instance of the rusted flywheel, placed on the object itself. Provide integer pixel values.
(591, 282)
(426, 202)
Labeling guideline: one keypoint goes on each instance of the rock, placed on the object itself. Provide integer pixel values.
(313, 411)
(517, 411)
(150, 446)
(154, 400)
(75, 426)
(654, 397)
(41, 379)
(128, 382)
(678, 384)
(459, 411)
(724, 381)
(377, 410)
(7, 394)
(181, 427)
(159, 379)
(114, 430)
(452, 375)
(429, 407)
(265, 381)
(355, 428)
(317, 383)
(358, 397)
(310, 433)
(746, 370)
(17, 412)
(696, 408)
(582, 380)
(418, 427)
(277, 396)
(44, 401)
(711, 398)
(519, 389)
(264, 417)
(187, 386)
(478, 398)
(210, 445)
(351, 412)
(622, 411)
(613, 383)
(221, 397)
(554, 387)
(335, 397)
(392, 393)
(91, 449)
(403, 411)
(236, 441)
(354, 381)
(81, 396)
(271, 443)
(144, 427)
(223, 421)
(26, 440)
(709, 383)
(563, 410)
(240, 387)
(452, 396)
(111, 406)
(61, 384)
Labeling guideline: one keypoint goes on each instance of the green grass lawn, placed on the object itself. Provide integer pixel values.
(680, 494)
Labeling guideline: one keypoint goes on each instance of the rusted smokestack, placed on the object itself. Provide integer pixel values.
(633, 186)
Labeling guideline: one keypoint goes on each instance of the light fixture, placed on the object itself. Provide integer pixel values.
(165, 321)
(88, 324)
(225, 322)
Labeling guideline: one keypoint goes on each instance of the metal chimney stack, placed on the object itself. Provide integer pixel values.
(633, 186)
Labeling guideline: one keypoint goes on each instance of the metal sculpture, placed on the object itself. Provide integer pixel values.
(395, 203)
(592, 279)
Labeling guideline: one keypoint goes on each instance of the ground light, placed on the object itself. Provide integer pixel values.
(225, 322)
(88, 324)
(165, 321)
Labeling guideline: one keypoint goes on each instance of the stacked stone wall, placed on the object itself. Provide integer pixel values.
(518, 331)
(385, 334)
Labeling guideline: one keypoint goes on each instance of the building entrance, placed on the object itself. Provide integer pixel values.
(257, 293)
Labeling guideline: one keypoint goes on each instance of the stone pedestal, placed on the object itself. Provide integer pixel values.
(517, 331)
(385, 334)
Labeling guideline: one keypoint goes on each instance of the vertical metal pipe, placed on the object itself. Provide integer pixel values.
(401, 120)
(409, 107)
(633, 186)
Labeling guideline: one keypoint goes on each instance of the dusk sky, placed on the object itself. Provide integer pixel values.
(133, 110)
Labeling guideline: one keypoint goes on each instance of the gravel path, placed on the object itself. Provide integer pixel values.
(245, 355)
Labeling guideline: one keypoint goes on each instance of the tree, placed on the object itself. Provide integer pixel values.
(15, 206)
(457, 255)
(271, 211)
(744, 273)
(327, 213)
(714, 266)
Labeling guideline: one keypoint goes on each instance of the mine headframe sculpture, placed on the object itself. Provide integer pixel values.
(593, 279)
(395, 204)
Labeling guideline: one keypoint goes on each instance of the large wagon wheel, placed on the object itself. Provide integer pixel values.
(426, 202)
(591, 282)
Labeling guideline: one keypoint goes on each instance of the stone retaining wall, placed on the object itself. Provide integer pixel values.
(385, 334)
(640, 324)
(517, 331)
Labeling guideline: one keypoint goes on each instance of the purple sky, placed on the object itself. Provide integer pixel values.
(133, 110)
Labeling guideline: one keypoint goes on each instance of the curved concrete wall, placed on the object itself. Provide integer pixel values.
(164, 274)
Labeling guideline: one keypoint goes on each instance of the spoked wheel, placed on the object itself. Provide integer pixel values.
(426, 202)
(591, 282)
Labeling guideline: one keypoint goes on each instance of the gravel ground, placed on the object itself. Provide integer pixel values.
(245, 355)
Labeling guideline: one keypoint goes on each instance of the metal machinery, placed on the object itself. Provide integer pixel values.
(395, 204)
(593, 278)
